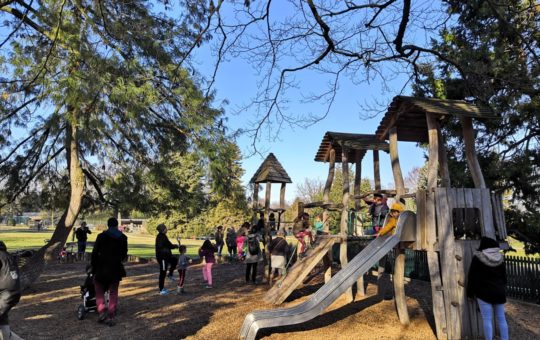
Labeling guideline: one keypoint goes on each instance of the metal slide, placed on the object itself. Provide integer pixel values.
(328, 293)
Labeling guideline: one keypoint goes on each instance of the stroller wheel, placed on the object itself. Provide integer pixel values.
(81, 312)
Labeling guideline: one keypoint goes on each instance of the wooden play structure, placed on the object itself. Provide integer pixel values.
(445, 215)
(448, 224)
(270, 171)
(335, 148)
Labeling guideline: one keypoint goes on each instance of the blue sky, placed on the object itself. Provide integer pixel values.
(296, 147)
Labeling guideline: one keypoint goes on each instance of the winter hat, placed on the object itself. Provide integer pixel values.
(486, 243)
(161, 228)
(397, 206)
(281, 232)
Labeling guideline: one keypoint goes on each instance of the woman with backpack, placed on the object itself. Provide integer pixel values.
(253, 255)
(278, 249)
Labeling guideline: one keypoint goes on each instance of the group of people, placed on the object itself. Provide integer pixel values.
(486, 280)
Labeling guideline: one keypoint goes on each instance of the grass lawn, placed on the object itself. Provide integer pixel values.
(22, 237)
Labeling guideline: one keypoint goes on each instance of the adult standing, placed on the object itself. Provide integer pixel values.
(82, 238)
(220, 242)
(230, 239)
(110, 250)
(253, 255)
(278, 251)
(487, 283)
(165, 258)
(10, 291)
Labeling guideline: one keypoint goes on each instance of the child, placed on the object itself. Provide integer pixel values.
(62, 256)
(240, 239)
(391, 221)
(206, 252)
(183, 263)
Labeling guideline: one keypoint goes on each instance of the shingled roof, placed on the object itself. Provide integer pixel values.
(408, 115)
(353, 141)
(271, 171)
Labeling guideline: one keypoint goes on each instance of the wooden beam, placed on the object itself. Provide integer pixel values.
(470, 152)
(433, 150)
(330, 178)
(344, 216)
(396, 168)
(376, 170)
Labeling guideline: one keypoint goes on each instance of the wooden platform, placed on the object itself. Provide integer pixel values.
(301, 269)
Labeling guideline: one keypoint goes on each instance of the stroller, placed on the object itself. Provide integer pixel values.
(88, 295)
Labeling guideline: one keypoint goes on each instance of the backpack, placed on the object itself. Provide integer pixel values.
(253, 245)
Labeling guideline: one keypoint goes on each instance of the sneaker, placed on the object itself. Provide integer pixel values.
(164, 292)
(182, 290)
(102, 317)
(209, 286)
(110, 322)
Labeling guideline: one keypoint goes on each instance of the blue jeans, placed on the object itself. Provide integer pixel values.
(486, 309)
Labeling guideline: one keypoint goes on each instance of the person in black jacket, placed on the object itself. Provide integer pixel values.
(10, 291)
(487, 283)
(165, 258)
(82, 237)
(110, 250)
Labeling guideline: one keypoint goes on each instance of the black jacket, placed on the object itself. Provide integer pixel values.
(110, 250)
(487, 279)
(10, 286)
(82, 234)
(164, 246)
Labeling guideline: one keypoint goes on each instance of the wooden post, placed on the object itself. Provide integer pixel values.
(360, 291)
(396, 168)
(330, 178)
(437, 289)
(470, 151)
(344, 216)
(255, 202)
(376, 170)
(433, 162)
(266, 237)
(357, 180)
(443, 161)
(399, 265)
(282, 196)
(326, 199)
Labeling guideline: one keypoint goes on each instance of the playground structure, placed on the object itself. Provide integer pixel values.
(342, 148)
(448, 223)
(270, 171)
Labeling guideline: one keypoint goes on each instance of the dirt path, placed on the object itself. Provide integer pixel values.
(48, 310)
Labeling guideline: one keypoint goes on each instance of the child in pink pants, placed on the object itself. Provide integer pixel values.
(206, 252)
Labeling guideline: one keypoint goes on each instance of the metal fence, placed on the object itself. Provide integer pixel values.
(523, 273)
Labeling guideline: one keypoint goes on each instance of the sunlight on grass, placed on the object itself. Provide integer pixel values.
(142, 245)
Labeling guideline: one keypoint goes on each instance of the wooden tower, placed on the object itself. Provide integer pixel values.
(270, 171)
(450, 221)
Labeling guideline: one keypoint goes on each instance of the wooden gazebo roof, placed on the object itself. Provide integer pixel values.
(353, 141)
(408, 115)
(271, 171)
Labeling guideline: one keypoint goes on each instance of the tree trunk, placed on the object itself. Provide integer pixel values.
(31, 271)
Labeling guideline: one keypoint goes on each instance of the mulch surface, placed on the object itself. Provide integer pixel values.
(48, 310)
